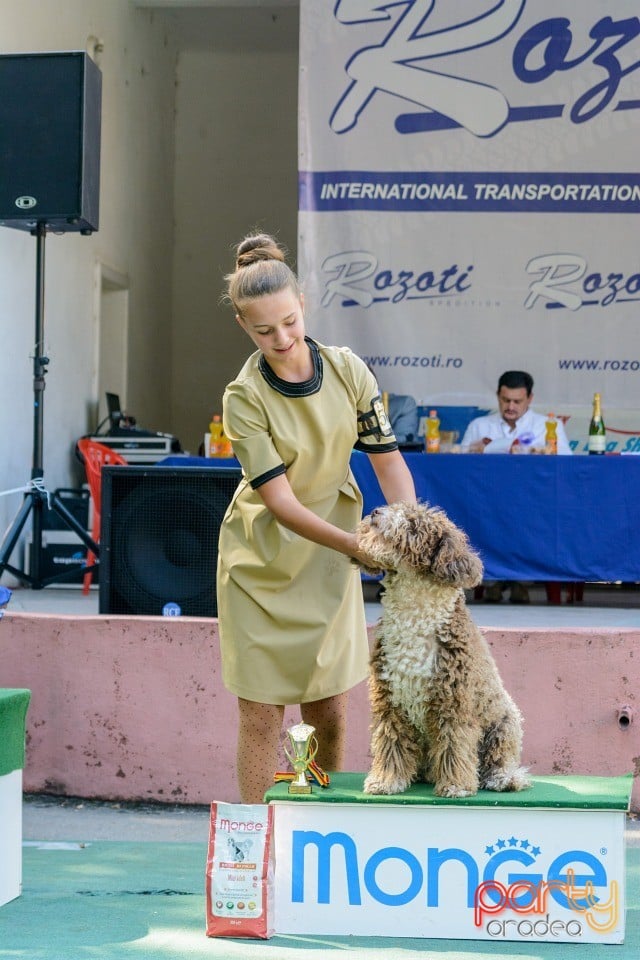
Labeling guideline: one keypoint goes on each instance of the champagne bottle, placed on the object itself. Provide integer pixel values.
(597, 431)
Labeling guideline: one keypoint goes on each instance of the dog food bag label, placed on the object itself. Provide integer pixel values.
(239, 875)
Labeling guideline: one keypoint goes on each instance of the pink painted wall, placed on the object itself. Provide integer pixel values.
(134, 708)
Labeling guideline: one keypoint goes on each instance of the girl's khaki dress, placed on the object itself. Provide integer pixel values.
(291, 615)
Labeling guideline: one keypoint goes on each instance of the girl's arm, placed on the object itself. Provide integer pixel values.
(280, 499)
(394, 476)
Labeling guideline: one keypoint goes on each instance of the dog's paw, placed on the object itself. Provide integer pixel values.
(451, 790)
(521, 780)
(504, 780)
(378, 785)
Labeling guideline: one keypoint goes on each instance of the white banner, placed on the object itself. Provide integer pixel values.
(385, 870)
(469, 192)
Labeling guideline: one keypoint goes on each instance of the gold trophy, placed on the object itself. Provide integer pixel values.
(304, 747)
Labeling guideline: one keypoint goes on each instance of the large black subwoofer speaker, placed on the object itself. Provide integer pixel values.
(159, 538)
(50, 112)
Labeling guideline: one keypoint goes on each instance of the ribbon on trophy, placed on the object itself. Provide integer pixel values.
(303, 746)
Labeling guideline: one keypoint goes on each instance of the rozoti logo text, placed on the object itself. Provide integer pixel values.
(356, 278)
(566, 280)
(428, 68)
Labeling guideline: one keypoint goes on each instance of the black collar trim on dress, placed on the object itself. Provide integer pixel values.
(288, 389)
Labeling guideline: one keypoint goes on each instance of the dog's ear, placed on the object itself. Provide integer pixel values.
(455, 562)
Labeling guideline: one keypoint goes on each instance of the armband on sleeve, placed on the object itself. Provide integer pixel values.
(374, 429)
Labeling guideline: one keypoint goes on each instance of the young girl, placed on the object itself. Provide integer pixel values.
(290, 607)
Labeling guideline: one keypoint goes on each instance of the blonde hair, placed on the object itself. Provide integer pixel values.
(260, 270)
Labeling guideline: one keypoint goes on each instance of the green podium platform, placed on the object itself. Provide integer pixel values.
(13, 713)
(546, 864)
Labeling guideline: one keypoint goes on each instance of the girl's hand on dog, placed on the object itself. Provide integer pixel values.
(362, 560)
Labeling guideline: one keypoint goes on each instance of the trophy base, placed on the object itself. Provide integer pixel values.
(299, 788)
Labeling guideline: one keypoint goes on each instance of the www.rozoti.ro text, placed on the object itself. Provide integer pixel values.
(408, 360)
(615, 366)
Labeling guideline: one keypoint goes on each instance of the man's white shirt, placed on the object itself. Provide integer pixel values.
(531, 427)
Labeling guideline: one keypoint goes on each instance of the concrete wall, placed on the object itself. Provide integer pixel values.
(138, 62)
(236, 170)
(134, 708)
(199, 105)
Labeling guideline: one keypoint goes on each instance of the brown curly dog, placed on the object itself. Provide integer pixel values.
(440, 713)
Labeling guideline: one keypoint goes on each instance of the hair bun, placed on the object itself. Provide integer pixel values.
(260, 247)
(261, 269)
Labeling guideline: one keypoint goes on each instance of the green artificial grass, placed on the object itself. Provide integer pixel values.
(112, 900)
(569, 793)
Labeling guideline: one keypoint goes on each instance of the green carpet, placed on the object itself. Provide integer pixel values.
(109, 900)
(13, 715)
(552, 793)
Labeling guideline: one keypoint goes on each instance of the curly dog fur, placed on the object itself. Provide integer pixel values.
(440, 712)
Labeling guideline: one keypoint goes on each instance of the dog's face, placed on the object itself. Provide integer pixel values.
(421, 538)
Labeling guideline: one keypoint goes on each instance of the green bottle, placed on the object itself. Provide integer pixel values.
(597, 430)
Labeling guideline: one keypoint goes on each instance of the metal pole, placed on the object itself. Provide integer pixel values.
(39, 370)
(39, 360)
(35, 499)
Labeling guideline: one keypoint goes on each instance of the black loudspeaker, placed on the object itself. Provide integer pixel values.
(159, 538)
(50, 112)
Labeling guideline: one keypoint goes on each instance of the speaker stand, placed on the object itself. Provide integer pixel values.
(36, 494)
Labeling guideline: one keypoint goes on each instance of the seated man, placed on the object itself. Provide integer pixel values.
(514, 420)
(402, 411)
(403, 414)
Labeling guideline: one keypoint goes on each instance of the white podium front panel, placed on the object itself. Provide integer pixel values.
(10, 836)
(513, 873)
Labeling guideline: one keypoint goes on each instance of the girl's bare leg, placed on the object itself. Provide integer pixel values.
(329, 717)
(258, 742)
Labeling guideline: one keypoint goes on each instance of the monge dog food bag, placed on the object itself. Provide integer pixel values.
(239, 876)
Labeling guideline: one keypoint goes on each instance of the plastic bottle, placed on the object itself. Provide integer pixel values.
(432, 432)
(551, 434)
(597, 430)
(213, 439)
(225, 449)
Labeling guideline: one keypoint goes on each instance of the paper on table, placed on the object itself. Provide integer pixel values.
(499, 445)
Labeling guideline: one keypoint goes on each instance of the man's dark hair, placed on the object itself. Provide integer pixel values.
(514, 379)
